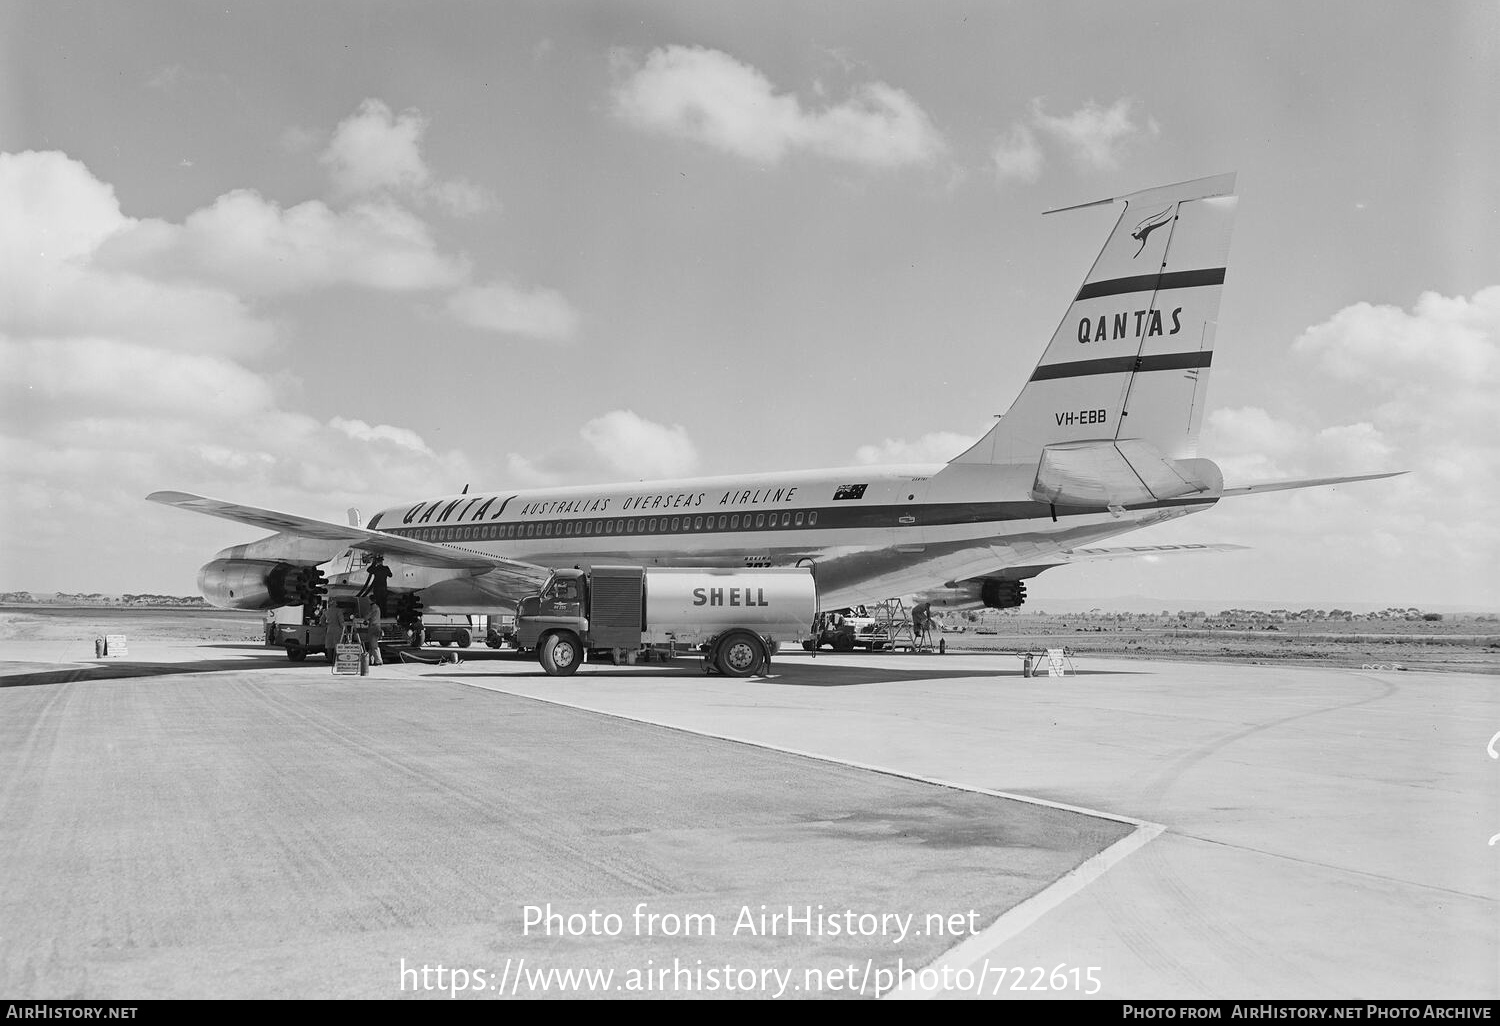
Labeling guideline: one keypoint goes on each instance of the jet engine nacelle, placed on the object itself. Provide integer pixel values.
(976, 593)
(259, 584)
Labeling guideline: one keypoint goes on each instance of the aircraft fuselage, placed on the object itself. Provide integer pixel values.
(869, 532)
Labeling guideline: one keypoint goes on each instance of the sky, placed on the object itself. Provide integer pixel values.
(314, 256)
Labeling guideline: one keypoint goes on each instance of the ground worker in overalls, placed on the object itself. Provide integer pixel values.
(371, 632)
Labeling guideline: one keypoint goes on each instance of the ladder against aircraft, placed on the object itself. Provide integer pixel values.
(899, 628)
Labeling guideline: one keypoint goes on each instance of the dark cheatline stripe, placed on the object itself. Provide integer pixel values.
(1123, 365)
(1152, 282)
(829, 518)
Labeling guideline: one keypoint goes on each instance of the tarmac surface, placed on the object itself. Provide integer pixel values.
(1139, 830)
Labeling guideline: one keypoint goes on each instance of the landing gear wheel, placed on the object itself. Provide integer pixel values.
(560, 654)
(741, 654)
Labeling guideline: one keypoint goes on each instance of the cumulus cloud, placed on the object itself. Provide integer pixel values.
(1251, 445)
(936, 447)
(142, 353)
(375, 151)
(538, 312)
(122, 376)
(1444, 353)
(49, 380)
(400, 438)
(709, 97)
(1092, 135)
(57, 217)
(636, 447)
(245, 246)
(1431, 374)
(54, 210)
(1017, 156)
(1415, 391)
(531, 473)
(620, 444)
(253, 246)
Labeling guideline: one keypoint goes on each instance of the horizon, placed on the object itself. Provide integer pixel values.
(1105, 606)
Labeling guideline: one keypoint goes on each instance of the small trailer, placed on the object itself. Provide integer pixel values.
(448, 630)
(624, 614)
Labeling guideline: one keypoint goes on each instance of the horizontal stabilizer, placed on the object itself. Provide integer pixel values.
(1308, 482)
(410, 550)
(977, 592)
(1135, 551)
(1123, 473)
(1071, 557)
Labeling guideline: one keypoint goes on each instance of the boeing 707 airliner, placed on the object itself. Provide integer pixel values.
(1101, 440)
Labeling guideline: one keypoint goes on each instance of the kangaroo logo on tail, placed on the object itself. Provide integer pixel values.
(1148, 226)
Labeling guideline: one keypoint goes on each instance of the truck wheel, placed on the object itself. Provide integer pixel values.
(740, 655)
(464, 639)
(809, 646)
(295, 652)
(560, 654)
(843, 643)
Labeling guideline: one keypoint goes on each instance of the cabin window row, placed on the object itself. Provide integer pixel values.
(615, 526)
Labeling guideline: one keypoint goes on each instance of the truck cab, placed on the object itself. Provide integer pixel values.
(598, 609)
(559, 604)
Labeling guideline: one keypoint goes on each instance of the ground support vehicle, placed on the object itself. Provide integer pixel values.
(448, 630)
(735, 619)
(834, 629)
(300, 638)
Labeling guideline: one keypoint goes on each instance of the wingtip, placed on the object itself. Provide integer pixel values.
(1316, 482)
(170, 498)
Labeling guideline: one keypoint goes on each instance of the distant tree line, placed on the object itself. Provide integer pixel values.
(1229, 617)
(62, 598)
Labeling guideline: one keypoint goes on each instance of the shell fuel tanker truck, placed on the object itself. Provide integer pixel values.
(624, 614)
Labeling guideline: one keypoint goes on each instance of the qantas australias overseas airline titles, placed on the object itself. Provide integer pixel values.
(1101, 440)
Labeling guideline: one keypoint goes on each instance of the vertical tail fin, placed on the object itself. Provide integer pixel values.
(1130, 361)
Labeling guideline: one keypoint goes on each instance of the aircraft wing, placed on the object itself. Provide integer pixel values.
(420, 553)
(1307, 482)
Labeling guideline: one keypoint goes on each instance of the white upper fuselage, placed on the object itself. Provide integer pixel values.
(869, 532)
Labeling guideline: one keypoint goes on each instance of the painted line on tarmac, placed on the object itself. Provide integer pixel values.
(967, 954)
(886, 770)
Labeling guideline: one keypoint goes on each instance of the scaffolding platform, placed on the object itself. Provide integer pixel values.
(900, 633)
